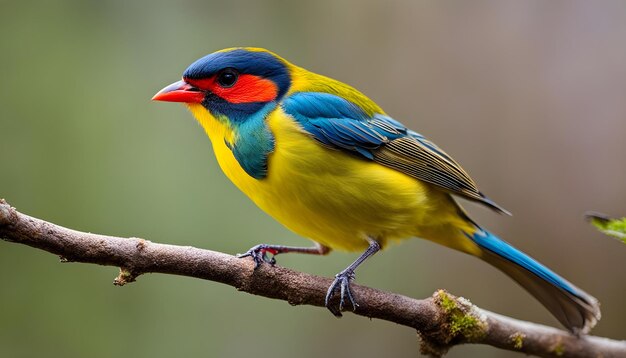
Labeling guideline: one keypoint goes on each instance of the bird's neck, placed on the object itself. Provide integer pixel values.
(216, 128)
(249, 140)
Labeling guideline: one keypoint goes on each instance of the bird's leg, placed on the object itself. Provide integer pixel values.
(342, 280)
(259, 252)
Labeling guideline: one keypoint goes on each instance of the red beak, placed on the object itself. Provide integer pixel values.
(180, 91)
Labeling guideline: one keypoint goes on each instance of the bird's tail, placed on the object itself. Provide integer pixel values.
(574, 308)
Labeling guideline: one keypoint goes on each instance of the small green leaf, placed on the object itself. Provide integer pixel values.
(607, 225)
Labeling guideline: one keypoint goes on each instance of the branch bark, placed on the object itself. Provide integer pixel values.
(441, 321)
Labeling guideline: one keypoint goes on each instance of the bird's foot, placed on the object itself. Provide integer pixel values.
(341, 283)
(259, 254)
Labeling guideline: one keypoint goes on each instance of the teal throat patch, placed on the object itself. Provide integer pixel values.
(253, 143)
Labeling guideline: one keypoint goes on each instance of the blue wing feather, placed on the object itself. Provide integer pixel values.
(338, 123)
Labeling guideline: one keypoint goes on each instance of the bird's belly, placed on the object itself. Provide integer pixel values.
(340, 210)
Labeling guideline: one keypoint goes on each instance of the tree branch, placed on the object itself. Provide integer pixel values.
(441, 321)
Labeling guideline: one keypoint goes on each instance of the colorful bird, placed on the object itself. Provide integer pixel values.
(327, 162)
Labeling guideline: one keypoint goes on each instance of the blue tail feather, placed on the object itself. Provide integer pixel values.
(573, 307)
(489, 241)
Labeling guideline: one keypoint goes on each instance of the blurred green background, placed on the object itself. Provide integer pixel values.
(529, 96)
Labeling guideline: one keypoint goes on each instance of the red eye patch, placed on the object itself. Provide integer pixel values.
(248, 88)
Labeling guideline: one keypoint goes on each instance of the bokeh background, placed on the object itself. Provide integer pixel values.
(529, 96)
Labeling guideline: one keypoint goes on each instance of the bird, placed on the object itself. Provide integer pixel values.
(329, 164)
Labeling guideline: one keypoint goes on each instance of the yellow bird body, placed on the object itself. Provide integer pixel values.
(326, 161)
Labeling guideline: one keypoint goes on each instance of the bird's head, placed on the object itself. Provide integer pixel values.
(233, 83)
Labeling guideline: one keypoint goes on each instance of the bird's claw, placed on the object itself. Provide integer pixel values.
(259, 255)
(342, 282)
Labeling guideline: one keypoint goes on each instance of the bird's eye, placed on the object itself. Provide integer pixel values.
(227, 77)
